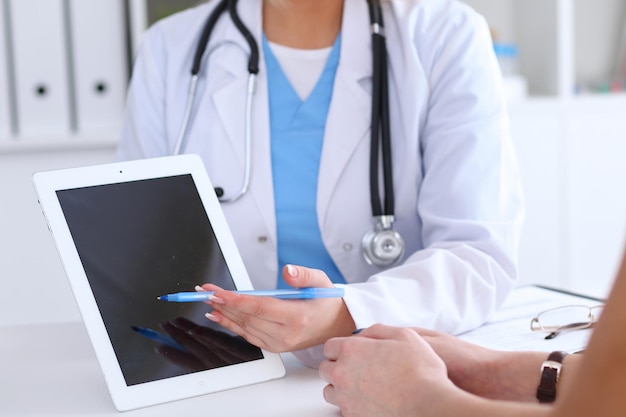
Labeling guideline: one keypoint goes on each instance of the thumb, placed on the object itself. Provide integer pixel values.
(302, 277)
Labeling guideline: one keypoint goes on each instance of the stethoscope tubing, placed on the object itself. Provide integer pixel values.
(191, 96)
(383, 236)
(253, 70)
(380, 128)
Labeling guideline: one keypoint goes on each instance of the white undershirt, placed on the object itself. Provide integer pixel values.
(302, 67)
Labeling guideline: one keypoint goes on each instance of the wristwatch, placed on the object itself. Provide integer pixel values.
(550, 372)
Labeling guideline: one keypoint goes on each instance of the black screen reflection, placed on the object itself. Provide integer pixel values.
(141, 239)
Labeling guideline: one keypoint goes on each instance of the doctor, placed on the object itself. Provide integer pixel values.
(292, 161)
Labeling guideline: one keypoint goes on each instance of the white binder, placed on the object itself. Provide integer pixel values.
(138, 23)
(40, 68)
(100, 66)
(5, 62)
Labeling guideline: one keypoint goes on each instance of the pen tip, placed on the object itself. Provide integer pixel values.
(159, 297)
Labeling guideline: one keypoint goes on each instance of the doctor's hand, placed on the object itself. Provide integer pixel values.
(385, 371)
(283, 325)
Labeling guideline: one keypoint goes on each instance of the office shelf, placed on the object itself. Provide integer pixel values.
(13, 145)
(567, 47)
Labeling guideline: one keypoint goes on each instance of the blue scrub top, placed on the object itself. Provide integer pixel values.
(297, 134)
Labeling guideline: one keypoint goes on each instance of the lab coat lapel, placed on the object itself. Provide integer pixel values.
(348, 120)
(230, 102)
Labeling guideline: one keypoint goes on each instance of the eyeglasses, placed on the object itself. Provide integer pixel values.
(560, 319)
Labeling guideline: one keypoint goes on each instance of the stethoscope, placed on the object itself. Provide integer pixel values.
(382, 245)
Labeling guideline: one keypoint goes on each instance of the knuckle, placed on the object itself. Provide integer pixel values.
(243, 321)
(258, 310)
(407, 334)
(339, 377)
(245, 318)
(299, 322)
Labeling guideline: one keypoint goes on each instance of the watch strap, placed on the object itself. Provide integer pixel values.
(549, 376)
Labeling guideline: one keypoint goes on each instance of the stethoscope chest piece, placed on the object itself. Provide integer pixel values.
(383, 245)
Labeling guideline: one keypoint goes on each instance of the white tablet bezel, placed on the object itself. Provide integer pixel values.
(174, 388)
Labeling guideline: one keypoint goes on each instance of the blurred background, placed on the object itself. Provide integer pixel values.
(65, 65)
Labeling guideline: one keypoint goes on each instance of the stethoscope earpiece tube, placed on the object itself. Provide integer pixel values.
(253, 62)
(253, 69)
(203, 42)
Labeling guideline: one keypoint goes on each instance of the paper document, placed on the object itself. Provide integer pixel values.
(510, 327)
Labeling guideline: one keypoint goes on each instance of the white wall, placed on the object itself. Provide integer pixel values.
(596, 196)
(34, 287)
(572, 156)
(537, 131)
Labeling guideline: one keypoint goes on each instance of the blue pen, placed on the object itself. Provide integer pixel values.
(285, 294)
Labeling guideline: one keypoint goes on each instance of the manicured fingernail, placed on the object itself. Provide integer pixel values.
(216, 299)
(292, 270)
(212, 317)
(357, 331)
(199, 288)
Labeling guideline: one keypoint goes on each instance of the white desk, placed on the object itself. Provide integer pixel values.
(51, 370)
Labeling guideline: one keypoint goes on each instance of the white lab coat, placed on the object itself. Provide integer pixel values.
(458, 195)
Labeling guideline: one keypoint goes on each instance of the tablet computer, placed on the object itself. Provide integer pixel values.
(129, 232)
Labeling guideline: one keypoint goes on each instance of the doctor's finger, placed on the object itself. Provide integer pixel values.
(208, 287)
(265, 339)
(303, 277)
(276, 337)
(243, 308)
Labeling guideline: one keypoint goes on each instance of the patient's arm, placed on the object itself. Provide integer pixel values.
(494, 374)
(394, 372)
(598, 387)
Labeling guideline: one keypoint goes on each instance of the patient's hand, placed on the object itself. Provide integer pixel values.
(485, 372)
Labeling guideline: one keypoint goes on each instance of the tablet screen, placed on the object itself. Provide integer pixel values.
(141, 239)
